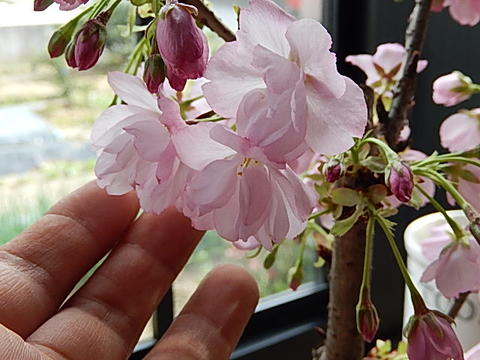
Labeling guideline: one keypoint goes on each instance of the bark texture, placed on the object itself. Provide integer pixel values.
(343, 340)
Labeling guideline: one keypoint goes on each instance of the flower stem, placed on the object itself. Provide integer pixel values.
(417, 300)
(453, 224)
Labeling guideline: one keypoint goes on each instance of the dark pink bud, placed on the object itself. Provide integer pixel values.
(90, 43)
(182, 44)
(367, 320)
(58, 43)
(40, 5)
(400, 181)
(70, 4)
(70, 55)
(430, 336)
(154, 74)
(333, 170)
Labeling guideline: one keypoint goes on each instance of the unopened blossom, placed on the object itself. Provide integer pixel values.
(252, 195)
(437, 5)
(272, 49)
(461, 131)
(135, 146)
(384, 68)
(426, 184)
(400, 181)
(451, 89)
(90, 42)
(367, 319)
(181, 43)
(333, 170)
(58, 43)
(70, 4)
(154, 73)
(456, 270)
(40, 5)
(430, 336)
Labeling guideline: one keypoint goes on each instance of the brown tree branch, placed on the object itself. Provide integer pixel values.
(405, 89)
(457, 305)
(343, 339)
(208, 18)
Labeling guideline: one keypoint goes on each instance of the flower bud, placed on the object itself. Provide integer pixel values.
(295, 277)
(70, 4)
(40, 5)
(451, 89)
(430, 336)
(58, 42)
(70, 55)
(333, 170)
(400, 181)
(367, 319)
(182, 44)
(90, 43)
(154, 73)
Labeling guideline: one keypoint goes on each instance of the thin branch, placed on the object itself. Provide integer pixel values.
(208, 18)
(457, 305)
(405, 89)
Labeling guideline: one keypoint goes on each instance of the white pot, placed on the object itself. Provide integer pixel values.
(468, 320)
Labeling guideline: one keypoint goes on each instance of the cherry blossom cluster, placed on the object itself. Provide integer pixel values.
(283, 98)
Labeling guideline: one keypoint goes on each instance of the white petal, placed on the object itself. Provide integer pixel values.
(132, 90)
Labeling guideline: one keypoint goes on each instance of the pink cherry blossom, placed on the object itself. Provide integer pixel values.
(451, 89)
(70, 4)
(181, 43)
(274, 50)
(440, 236)
(252, 196)
(470, 190)
(431, 337)
(384, 68)
(465, 12)
(456, 270)
(461, 131)
(136, 147)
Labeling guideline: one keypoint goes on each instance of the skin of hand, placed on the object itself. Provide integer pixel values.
(104, 318)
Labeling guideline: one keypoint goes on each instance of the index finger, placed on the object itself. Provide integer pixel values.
(40, 267)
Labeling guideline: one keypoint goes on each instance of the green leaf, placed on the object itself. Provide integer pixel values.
(341, 227)
(375, 164)
(346, 197)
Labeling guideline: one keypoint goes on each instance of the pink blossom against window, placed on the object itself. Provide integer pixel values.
(461, 131)
(451, 89)
(274, 50)
(384, 68)
(456, 270)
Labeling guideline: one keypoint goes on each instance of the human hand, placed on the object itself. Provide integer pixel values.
(104, 319)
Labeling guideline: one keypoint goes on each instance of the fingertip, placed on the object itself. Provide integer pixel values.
(235, 279)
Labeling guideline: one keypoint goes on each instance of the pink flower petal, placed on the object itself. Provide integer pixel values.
(150, 139)
(333, 122)
(231, 78)
(310, 43)
(265, 23)
(132, 90)
(460, 132)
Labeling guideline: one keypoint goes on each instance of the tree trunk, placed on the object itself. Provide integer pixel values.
(343, 340)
